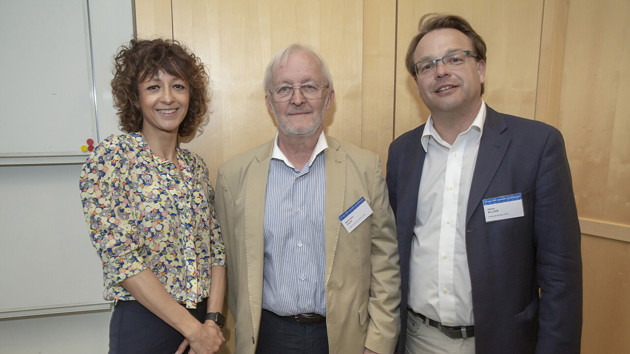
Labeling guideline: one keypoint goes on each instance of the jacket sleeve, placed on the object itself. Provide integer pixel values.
(558, 252)
(384, 300)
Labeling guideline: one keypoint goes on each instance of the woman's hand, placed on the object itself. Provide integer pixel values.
(207, 339)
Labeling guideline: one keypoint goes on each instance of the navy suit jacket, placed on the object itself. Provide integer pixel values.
(509, 260)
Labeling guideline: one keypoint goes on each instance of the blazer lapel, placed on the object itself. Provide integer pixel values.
(335, 195)
(494, 143)
(408, 192)
(254, 228)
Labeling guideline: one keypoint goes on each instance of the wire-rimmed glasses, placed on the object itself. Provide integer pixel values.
(455, 58)
(309, 90)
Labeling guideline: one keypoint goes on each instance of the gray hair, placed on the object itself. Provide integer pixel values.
(283, 55)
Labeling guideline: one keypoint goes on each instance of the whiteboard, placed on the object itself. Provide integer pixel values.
(56, 66)
(46, 259)
(47, 263)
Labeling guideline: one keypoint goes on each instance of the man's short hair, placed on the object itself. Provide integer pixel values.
(283, 55)
(431, 22)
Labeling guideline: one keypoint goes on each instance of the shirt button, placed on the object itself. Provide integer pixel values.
(445, 291)
(451, 187)
(445, 256)
(302, 277)
(299, 243)
(448, 221)
(299, 211)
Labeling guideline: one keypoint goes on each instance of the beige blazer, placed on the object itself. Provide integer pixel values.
(362, 271)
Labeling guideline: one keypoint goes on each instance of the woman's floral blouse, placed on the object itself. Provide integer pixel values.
(143, 213)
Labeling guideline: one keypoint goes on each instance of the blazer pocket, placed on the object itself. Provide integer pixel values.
(529, 313)
(525, 324)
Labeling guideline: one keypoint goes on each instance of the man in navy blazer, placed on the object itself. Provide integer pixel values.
(488, 233)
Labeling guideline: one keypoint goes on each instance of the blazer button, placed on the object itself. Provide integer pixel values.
(252, 340)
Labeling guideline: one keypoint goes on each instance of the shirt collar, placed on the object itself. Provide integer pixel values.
(321, 146)
(429, 131)
(141, 143)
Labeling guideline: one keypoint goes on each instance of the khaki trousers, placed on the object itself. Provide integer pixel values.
(424, 339)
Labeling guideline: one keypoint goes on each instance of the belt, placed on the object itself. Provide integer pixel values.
(455, 332)
(308, 318)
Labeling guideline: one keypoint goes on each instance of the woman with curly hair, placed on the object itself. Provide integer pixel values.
(149, 206)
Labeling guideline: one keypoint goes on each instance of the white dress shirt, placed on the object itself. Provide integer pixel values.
(439, 280)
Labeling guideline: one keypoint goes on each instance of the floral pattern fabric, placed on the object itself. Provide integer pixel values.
(145, 213)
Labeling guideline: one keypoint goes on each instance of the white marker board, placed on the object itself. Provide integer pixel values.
(56, 66)
(55, 95)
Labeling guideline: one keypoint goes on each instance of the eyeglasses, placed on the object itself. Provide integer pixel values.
(309, 90)
(456, 58)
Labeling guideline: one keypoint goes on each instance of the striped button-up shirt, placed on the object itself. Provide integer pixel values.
(294, 235)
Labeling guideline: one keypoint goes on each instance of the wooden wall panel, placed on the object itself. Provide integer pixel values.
(606, 266)
(594, 106)
(153, 19)
(551, 65)
(511, 31)
(379, 63)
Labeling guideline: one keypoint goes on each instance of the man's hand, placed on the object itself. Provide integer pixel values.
(367, 351)
(206, 340)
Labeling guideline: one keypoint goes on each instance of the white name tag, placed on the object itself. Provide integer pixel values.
(355, 215)
(505, 207)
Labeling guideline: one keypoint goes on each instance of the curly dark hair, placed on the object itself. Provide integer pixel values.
(142, 59)
(431, 22)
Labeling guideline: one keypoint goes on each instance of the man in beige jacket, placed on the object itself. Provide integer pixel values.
(309, 233)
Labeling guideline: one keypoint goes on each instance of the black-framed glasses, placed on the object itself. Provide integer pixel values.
(455, 58)
(309, 90)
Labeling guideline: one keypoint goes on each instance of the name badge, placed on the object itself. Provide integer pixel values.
(355, 215)
(504, 207)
